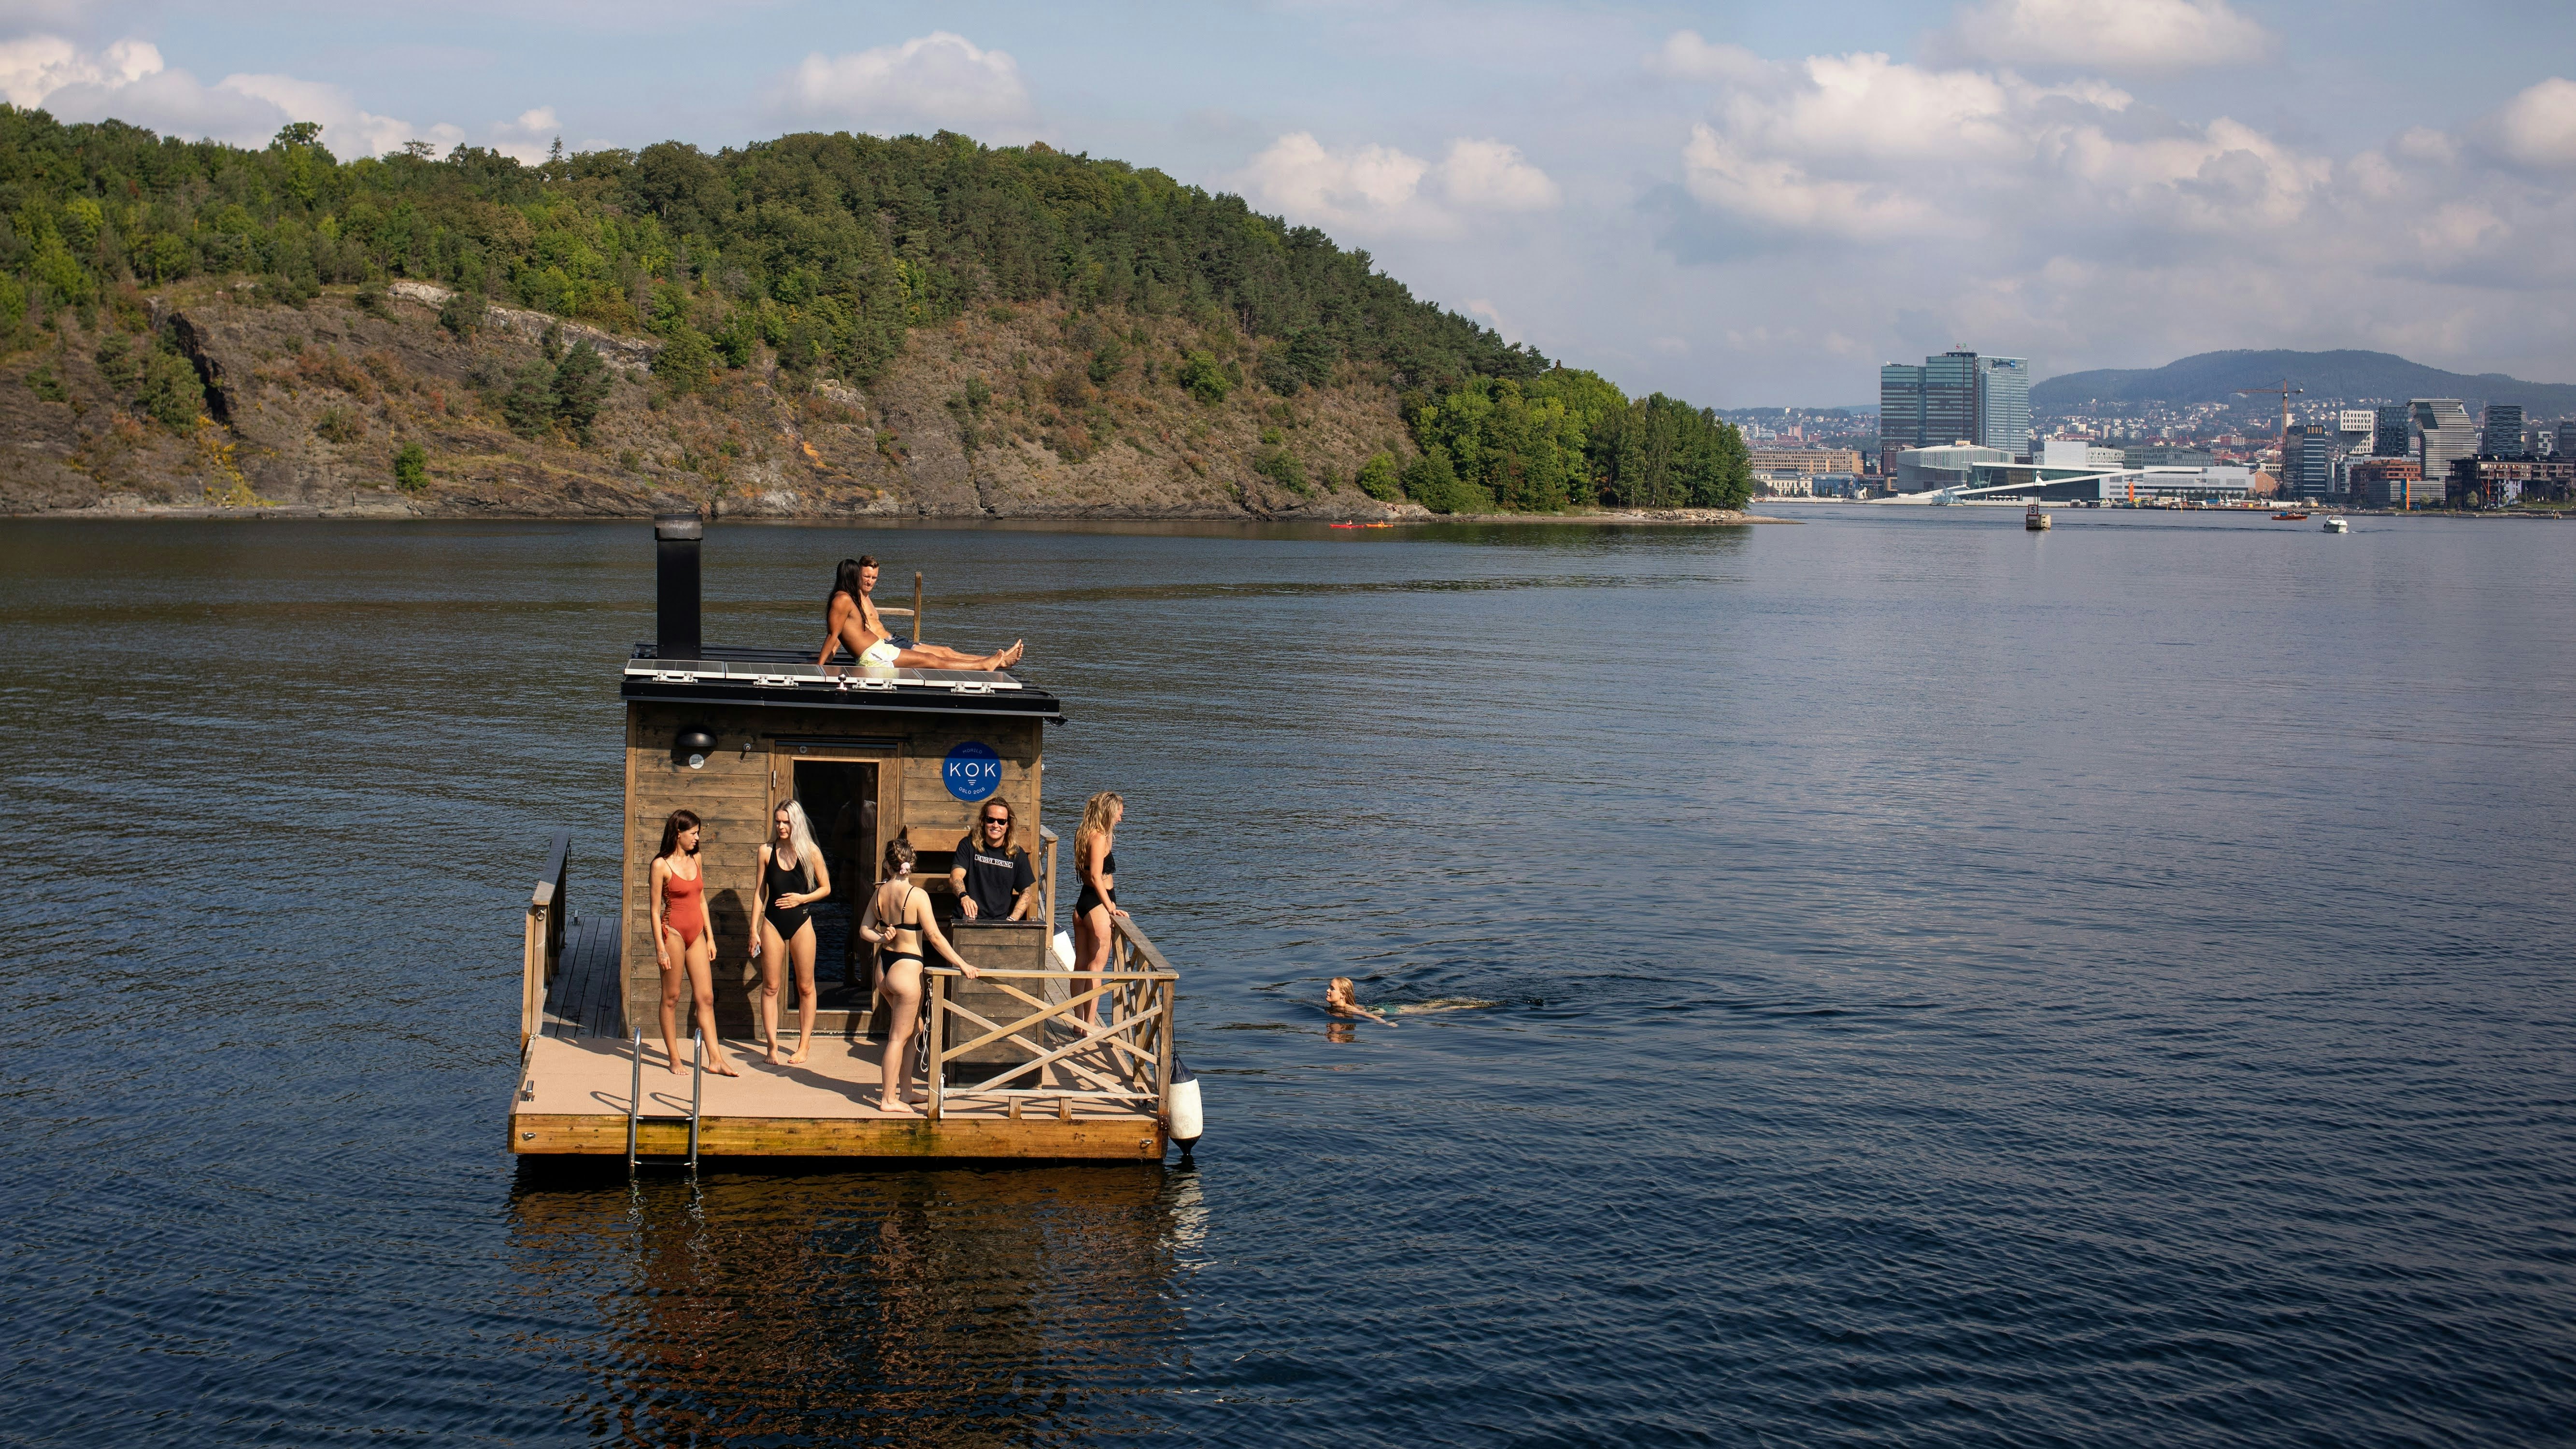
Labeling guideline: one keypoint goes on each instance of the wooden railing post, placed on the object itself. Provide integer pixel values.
(1046, 882)
(917, 640)
(532, 962)
(938, 1039)
(541, 938)
(1169, 991)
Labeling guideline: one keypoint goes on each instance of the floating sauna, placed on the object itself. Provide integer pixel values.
(729, 732)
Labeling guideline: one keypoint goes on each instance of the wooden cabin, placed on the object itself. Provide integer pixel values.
(729, 732)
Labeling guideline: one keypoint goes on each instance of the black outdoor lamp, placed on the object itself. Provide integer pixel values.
(696, 745)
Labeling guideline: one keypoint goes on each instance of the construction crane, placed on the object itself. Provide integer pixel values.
(2285, 392)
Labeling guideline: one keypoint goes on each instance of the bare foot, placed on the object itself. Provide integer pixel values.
(676, 1069)
(1012, 655)
(798, 1059)
(900, 1109)
(721, 1067)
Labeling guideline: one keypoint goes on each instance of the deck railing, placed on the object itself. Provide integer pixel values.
(1128, 1058)
(542, 940)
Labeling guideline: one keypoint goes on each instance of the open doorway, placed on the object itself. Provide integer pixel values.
(841, 800)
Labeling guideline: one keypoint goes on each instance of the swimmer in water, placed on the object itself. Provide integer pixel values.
(1337, 1000)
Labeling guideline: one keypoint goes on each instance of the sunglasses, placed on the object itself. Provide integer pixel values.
(997, 820)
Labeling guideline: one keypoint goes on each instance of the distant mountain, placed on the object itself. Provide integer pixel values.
(2215, 376)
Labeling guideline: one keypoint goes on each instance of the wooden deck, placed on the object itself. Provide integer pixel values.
(580, 1069)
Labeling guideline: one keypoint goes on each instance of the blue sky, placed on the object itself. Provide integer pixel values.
(1739, 204)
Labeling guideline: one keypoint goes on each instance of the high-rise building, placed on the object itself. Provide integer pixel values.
(2444, 432)
(2500, 431)
(2307, 460)
(2003, 404)
(2567, 438)
(1900, 410)
(2388, 434)
(1957, 397)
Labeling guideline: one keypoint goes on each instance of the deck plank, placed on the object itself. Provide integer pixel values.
(824, 1107)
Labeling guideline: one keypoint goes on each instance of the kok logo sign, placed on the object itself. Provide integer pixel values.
(972, 771)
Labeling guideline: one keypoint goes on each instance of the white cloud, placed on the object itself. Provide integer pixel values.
(39, 65)
(2108, 34)
(1855, 145)
(1491, 176)
(2539, 126)
(530, 136)
(1684, 55)
(1382, 189)
(1779, 194)
(940, 81)
(2066, 221)
(347, 129)
(130, 82)
(1484, 307)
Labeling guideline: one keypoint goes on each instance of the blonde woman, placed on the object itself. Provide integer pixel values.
(1095, 863)
(904, 908)
(682, 941)
(792, 878)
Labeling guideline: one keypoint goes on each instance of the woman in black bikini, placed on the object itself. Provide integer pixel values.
(905, 908)
(792, 878)
(1095, 863)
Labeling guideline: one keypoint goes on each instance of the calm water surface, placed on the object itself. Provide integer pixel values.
(1949, 985)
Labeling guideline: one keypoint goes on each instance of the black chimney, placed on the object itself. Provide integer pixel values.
(675, 548)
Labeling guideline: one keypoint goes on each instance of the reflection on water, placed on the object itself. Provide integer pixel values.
(948, 1307)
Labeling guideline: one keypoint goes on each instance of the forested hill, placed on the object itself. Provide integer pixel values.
(2215, 376)
(1043, 316)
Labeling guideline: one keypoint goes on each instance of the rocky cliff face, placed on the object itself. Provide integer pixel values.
(1009, 412)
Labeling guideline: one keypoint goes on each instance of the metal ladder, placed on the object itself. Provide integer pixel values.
(635, 1102)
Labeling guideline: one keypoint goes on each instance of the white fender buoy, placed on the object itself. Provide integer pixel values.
(1064, 950)
(1181, 1106)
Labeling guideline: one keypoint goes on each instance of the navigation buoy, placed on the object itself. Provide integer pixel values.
(1181, 1104)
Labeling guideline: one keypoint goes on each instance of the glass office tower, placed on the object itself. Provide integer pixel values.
(1953, 398)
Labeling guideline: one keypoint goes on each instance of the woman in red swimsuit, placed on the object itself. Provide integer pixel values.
(681, 938)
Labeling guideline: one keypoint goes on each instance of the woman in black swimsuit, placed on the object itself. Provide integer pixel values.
(792, 878)
(1095, 863)
(905, 909)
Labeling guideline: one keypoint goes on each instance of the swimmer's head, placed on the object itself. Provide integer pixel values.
(1340, 990)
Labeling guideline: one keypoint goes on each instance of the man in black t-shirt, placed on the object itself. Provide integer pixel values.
(992, 877)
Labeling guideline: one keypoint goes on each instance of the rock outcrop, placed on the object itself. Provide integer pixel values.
(1010, 412)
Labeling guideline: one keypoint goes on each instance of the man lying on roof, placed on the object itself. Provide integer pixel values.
(851, 619)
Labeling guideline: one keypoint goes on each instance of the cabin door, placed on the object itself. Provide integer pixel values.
(849, 794)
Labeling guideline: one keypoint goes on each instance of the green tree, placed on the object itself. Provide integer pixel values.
(1664, 453)
(580, 386)
(1201, 378)
(171, 392)
(1380, 478)
(527, 398)
(463, 313)
(686, 360)
(1281, 466)
(411, 468)
(1432, 481)
(118, 364)
(54, 265)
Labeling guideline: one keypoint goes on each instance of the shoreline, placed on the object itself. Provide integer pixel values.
(399, 513)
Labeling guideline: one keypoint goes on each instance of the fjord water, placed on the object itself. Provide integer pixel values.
(1948, 985)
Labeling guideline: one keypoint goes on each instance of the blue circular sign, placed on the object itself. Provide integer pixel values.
(972, 771)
